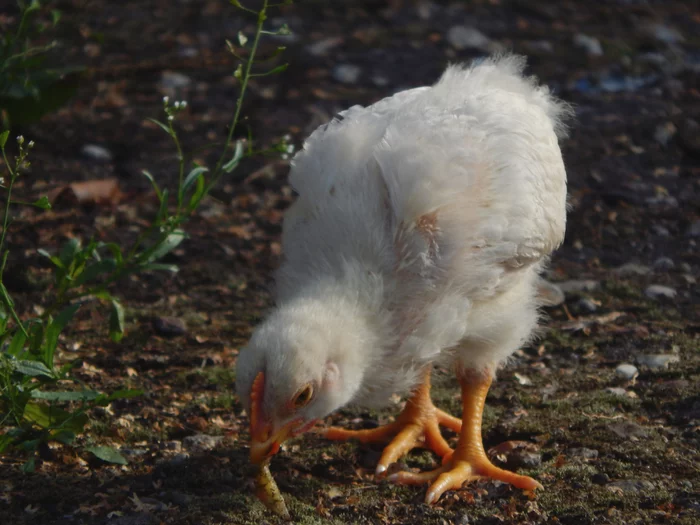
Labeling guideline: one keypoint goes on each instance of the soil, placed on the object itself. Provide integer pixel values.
(607, 449)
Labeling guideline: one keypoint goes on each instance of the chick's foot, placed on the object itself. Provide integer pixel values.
(468, 462)
(418, 425)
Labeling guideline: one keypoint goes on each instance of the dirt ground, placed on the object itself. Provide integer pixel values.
(609, 447)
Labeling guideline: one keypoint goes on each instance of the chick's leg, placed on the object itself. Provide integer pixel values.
(417, 425)
(469, 460)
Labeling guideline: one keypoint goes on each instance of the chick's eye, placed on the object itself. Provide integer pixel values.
(303, 397)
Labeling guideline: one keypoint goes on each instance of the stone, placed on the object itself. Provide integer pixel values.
(664, 133)
(658, 291)
(586, 306)
(627, 371)
(589, 44)
(584, 453)
(666, 34)
(663, 264)
(464, 37)
(549, 294)
(600, 478)
(169, 326)
(98, 153)
(628, 430)
(201, 442)
(631, 486)
(172, 82)
(347, 73)
(616, 391)
(631, 268)
(578, 285)
(657, 361)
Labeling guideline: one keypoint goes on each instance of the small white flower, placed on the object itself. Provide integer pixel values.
(183, 104)
(285, 156)
(290, 148)
(171, 118)
(2, 180)
(177, 105)
(166, 100)
(31, 144)
(287, 137)
(20, 139)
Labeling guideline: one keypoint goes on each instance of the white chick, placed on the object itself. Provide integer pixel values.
(421, 225)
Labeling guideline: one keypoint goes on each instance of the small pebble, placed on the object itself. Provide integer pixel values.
(169, 326)
(585, 453)
(578, 285)
(347, 73)
(631, 486)
(616, 391)
(589, 44)
(586, 306)
(632, 268)
(657, 361)
(628, 430)
(201, 442)
(171, 82)
(98, 153)
(658, 291)
(600, 478)
(627, 371)
(463, 37)
(664, 264)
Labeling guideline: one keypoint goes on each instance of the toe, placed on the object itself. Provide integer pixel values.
(415, 478)
(404, 441)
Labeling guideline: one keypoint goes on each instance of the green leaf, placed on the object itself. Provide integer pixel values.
(55, 260)
(5, 441)
(115, 250)
(163, 209)
(160, 267)
(164, 127)
(55, 16)
(198, 194)
(166, 245)
(54, 330)
(105, 266)
(116, 321)
(150, 177)
(29, 465)
(192, 176)
(51, 417)
(237, 156)
(44, 415)
(32, 368)
(17, 344)
(68, 251)
(3, 138)
(84, 395)
(63, 436)
(104, 399)
(108, 454)
(273, 71)
(42, 203)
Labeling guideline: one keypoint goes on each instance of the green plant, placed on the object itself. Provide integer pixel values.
(28, 87)
(39, 398)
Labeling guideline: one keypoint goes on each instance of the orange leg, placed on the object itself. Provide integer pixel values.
(417, 425)
(469, 460)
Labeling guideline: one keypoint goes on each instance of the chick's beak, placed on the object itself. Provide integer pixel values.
(264, 442)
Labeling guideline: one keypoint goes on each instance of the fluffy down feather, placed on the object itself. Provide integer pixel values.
(420, 227)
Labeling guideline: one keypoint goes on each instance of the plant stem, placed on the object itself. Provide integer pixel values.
(262, 16)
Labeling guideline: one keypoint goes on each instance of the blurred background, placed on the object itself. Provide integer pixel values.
(612, 445)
